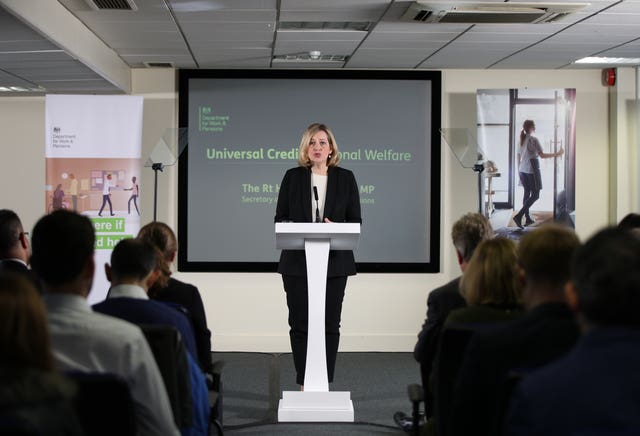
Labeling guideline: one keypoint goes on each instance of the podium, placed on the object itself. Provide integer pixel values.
(316, 403)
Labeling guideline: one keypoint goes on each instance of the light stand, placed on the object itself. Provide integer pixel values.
(479, 168)
(156, 167)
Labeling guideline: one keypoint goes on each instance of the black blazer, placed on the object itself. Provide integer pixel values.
(188, 296)
(342, 204)
(541, 336)
(13, 266)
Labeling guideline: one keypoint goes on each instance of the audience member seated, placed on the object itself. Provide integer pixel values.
(63, 249)
(15, 249)
(489, 285)
(630, 222)
(546, 332)
(131, 273)
(491, 290)
(177, 292)
(34, 399)
(466, 234)
(593, 390)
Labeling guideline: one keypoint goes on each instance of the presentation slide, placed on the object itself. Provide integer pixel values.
(244, 130)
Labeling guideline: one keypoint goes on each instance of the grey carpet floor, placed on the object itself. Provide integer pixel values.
(253, 385)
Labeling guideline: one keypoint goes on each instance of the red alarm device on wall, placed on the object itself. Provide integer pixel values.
(609, 76)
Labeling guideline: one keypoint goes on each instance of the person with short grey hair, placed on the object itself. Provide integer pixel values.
(466, 234)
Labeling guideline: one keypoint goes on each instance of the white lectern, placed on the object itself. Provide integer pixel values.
(316, 403)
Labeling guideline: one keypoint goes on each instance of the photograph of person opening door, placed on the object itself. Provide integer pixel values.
(527, 137)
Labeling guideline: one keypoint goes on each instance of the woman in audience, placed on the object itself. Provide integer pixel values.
(34, 399)
(491, 289)
(490, 284)
(177, 292)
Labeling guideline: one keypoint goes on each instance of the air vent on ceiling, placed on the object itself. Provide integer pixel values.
(360, 26)
(118, 5)
(486, 12)
(158, 64)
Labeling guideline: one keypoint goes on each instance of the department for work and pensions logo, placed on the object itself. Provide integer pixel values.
(60, 140)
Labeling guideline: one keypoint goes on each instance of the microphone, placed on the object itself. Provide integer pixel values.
(315, 194)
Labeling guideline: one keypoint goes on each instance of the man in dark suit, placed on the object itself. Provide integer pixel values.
(466, 234)
(546, 332)
(131, 272)
(15, 249)
(594, 388)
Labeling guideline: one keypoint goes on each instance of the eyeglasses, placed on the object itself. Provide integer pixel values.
(26, 235)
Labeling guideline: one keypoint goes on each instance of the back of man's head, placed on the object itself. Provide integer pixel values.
(62, 244)
(132, 259)
(468, 232)
(630, 222)
(10, 228)
(545, 255)
(605, 273)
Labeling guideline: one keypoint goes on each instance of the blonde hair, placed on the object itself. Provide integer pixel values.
(303, 151)
(24, 332)
(491, 275)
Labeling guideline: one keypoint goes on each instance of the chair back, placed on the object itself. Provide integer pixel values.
(104, 404)
(453, 343)
(171, 357)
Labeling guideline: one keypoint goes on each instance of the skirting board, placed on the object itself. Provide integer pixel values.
(348, 343)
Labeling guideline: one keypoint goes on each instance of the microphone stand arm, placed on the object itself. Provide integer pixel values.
(479, 168)
(156, 167)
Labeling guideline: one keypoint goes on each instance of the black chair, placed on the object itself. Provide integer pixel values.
(171, 357)
(505, 392)
(104, 404)
(453, 343)
(214, 379)
(13, 426)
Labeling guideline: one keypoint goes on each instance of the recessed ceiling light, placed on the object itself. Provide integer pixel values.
(21, 89)
(608, 61)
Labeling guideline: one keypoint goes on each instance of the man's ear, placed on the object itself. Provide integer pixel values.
(460, 257)
(173, 256)
(24, 242)
(107, 271)
(571, 296)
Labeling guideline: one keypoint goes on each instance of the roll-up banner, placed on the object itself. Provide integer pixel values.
(93, 163)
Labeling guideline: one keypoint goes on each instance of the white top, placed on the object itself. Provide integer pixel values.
(320, 182)
(530, 149)
(84, 340)
(106, 187)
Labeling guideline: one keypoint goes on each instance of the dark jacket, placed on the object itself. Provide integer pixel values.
(593, 390)
(188, 296)
(541, 336)
(14, 266)
(38, 401)
(342, 204)
(440, 303)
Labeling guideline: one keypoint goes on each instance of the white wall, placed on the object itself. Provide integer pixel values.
(381, 312)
